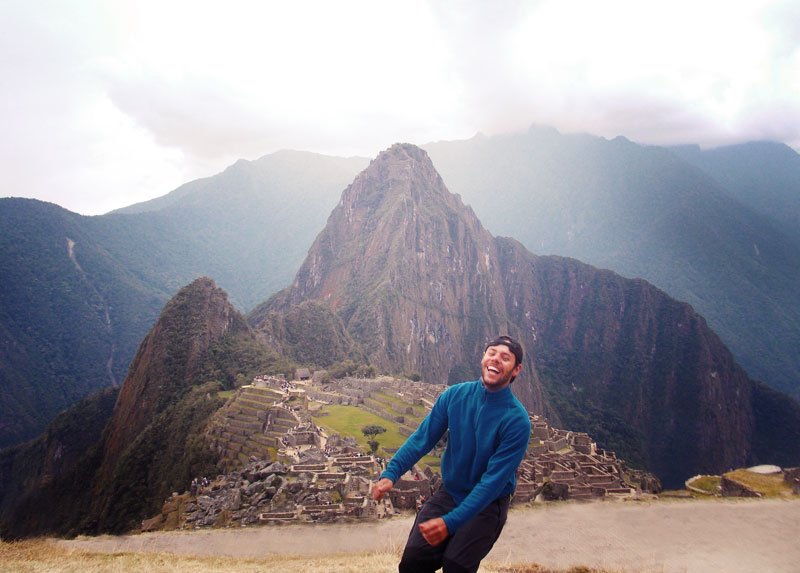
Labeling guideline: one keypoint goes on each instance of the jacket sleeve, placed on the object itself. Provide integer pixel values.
(499, 471)
(429, 432)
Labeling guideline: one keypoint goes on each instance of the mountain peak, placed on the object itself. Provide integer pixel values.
(196, 317)
(403, 260)
(403, 170)
(395, 222)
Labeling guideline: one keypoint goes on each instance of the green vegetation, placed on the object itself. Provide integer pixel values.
(73, 433)
(238, 357)
(164, 458)
(348, 421)
(315, 334)
(370, 432)
(75, 330)
(349, 368)
(352, 421)
(312, 334)
(99, 493)
(582, 412)
(708, 484)
(69, 329)
(419, 411)
(432, 462)
(767, 485)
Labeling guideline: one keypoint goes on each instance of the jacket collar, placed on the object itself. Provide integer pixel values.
(497, 396)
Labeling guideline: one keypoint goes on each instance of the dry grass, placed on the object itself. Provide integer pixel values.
(42, 555)
(767, 485)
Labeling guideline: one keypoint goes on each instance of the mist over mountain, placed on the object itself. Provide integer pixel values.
(249, 227)
(763, 175)
(687, 226)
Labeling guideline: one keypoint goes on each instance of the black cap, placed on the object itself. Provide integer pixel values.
(514, 346)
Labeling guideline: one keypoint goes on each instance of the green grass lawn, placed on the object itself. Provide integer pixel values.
(348, 421)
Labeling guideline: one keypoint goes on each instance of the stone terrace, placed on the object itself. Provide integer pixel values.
(329, 478)
(568, 465)
(251, 424)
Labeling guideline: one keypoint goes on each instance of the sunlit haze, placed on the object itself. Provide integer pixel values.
(105, 104)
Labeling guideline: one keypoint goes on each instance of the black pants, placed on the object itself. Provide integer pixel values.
(461, 551)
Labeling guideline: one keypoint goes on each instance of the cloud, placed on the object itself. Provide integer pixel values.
(107, 103)
(318, 75)
(657, 73)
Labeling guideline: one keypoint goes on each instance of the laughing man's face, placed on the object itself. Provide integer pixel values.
(498, 366)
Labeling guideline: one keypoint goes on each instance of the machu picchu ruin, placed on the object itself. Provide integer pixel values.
(280, 461)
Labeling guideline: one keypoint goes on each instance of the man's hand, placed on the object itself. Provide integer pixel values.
(434, 531)
(380, 488)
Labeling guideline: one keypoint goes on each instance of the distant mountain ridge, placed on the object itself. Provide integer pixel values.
(71, 325)
(419, 283)
(71, 316)
(764, 175)
(250, 226)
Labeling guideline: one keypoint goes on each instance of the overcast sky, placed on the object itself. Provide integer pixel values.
(107, 103)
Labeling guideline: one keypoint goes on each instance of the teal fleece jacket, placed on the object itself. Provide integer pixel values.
(489, 433)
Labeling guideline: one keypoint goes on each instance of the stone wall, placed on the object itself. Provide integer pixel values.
(792, 477)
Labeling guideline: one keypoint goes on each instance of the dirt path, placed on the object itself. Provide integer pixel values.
(665, 536)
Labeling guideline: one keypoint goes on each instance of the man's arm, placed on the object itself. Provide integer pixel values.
(501, 467)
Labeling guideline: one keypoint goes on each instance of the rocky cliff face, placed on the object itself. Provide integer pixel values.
(411, 272)
(421, 285)
(623, 359)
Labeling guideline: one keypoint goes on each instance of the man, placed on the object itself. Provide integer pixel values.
(489, 433)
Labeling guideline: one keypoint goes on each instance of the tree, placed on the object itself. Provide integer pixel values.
(370, 432)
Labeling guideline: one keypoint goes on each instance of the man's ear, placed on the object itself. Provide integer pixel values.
(516, 370)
